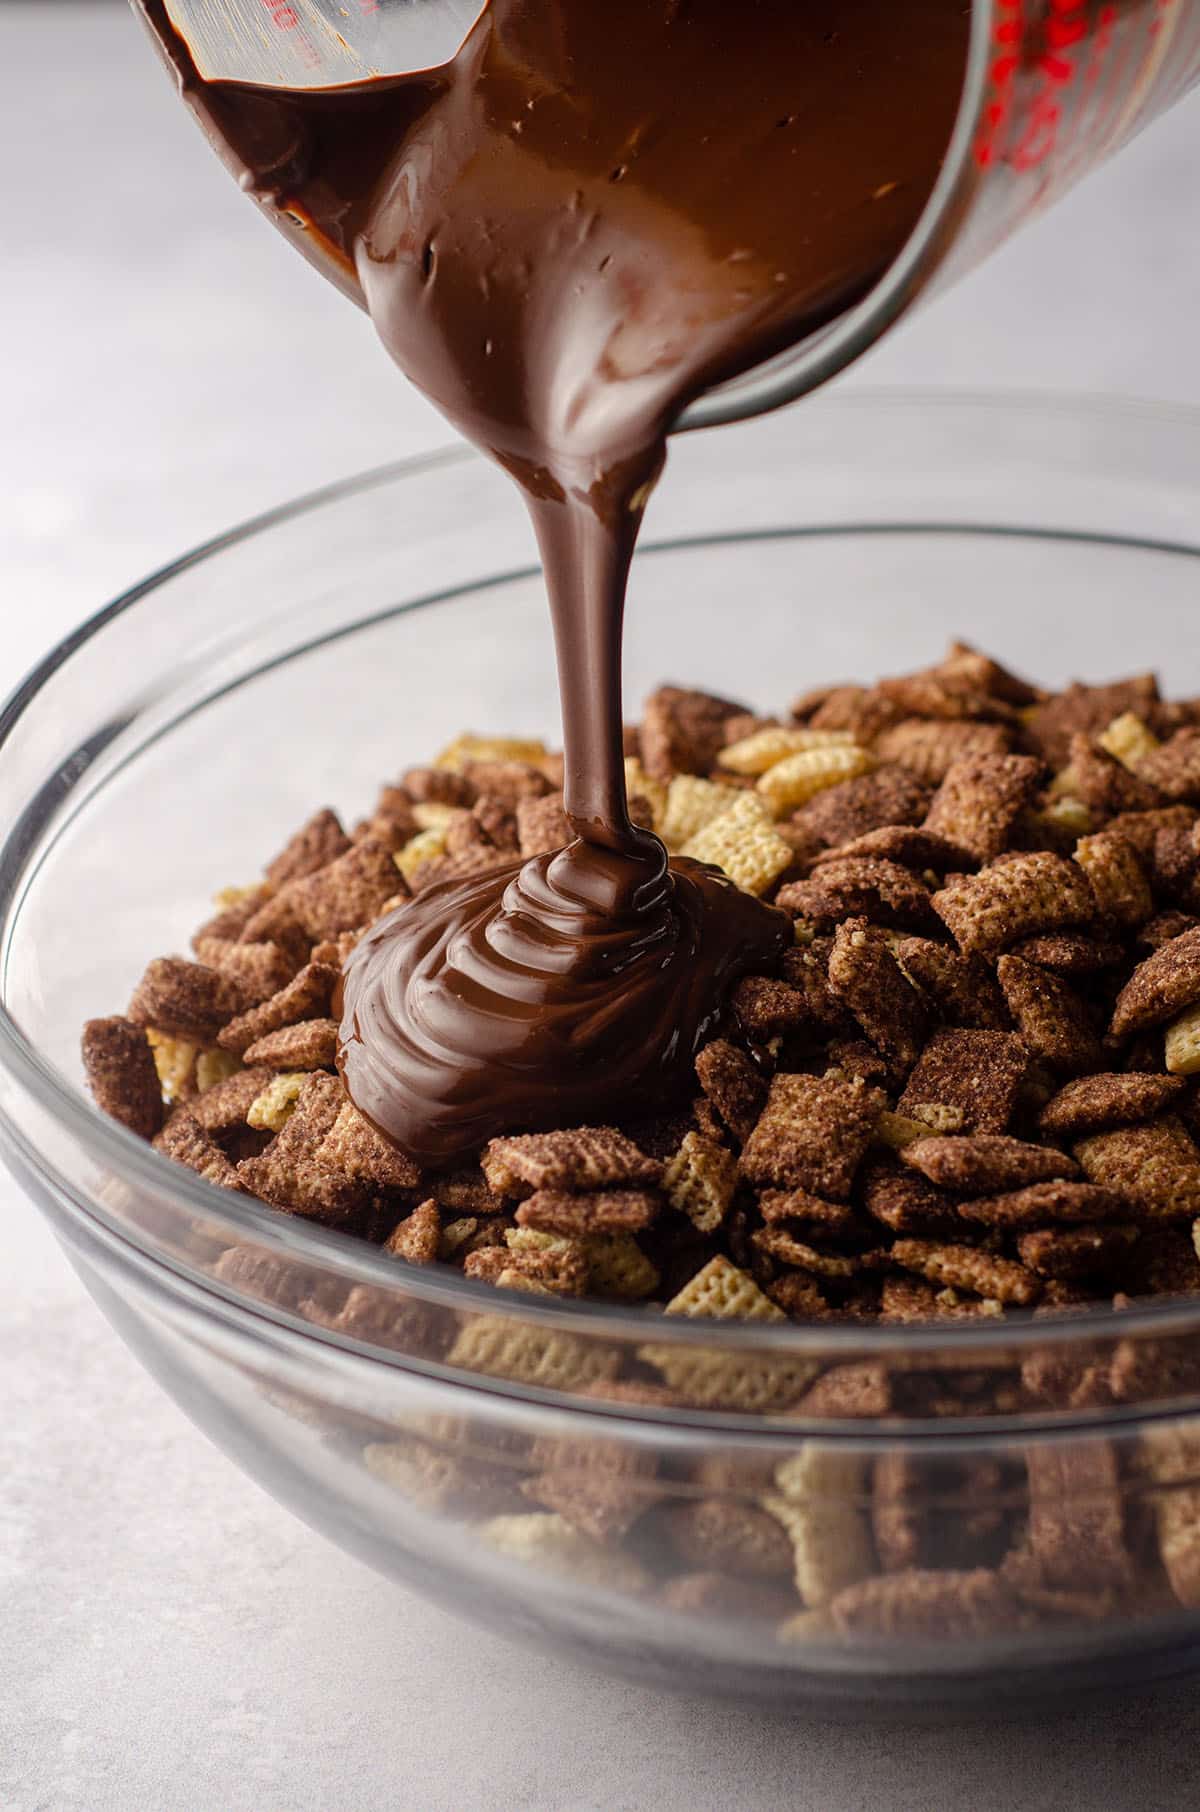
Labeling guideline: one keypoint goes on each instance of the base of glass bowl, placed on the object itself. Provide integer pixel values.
(303, 1462)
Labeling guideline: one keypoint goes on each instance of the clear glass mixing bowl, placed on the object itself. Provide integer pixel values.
(164, 749)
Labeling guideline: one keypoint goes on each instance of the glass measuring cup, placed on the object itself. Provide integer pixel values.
(1050, 89)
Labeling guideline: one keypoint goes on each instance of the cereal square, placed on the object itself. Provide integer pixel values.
(980, 1073)
(811, 1135)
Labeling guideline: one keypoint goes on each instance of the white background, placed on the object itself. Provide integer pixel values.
(170, 1640)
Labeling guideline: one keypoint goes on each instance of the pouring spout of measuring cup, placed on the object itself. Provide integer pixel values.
(305, 44)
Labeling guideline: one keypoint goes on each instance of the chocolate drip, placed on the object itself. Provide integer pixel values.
(559, 992)
(595, 213)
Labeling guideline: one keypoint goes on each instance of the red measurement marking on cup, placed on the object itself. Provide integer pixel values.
(1058, 111)
(284, 17)
(1065, 29)
(1007, 34)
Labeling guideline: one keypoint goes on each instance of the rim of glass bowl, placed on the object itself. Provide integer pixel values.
(356, 1262)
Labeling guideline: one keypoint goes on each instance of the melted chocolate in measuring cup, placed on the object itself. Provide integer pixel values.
(598, 211)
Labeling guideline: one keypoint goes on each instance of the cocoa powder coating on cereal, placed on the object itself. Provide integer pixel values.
(993, 1115)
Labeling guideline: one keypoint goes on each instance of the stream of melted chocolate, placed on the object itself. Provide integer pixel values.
(595, 213)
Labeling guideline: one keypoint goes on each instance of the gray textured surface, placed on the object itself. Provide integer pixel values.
(169, 1639)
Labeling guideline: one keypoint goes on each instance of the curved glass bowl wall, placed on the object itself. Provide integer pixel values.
(186, 731)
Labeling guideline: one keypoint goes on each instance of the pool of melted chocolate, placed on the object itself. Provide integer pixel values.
(595, 213)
